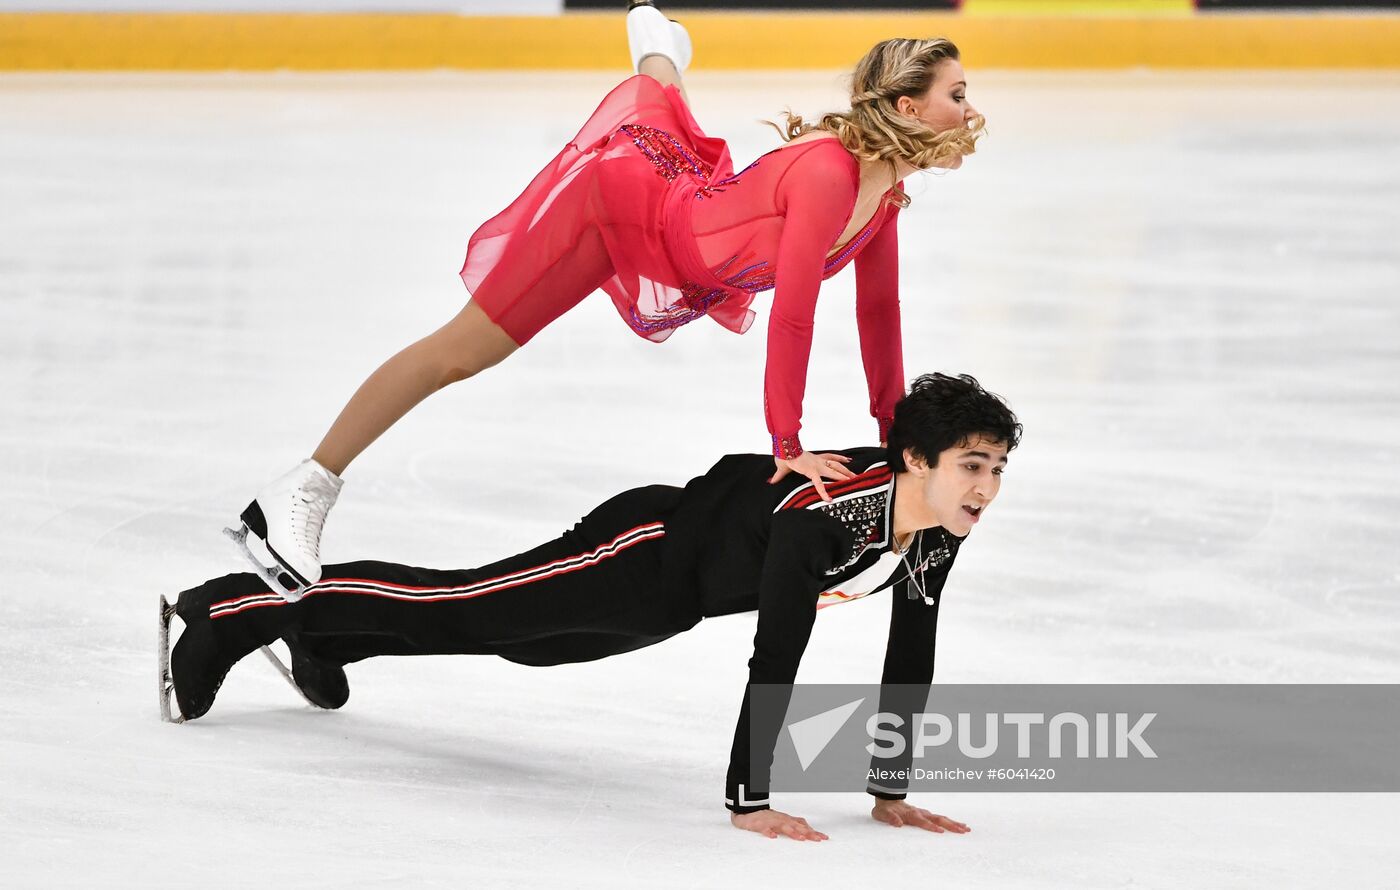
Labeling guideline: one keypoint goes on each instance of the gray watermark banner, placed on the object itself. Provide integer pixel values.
(1078, 737)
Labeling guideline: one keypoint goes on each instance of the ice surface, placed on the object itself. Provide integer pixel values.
(1187, 286)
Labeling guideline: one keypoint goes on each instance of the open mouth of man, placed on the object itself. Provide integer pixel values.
(973, 512)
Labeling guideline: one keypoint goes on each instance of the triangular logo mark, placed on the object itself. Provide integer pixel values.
(811, 736)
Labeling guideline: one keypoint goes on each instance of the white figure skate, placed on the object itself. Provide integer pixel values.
(286, 517)
(650, 33)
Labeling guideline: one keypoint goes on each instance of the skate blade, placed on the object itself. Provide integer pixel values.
(271, 576)
(166, 684)
(287, 675)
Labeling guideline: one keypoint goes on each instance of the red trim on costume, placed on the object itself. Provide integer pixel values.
(371, 587)
(869, 479)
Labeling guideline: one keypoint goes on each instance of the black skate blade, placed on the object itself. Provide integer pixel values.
(166, 685)
(275, 578)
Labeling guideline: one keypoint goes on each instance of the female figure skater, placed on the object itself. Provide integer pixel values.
(645, 206)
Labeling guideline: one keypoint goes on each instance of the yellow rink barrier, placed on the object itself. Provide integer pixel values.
(1160, 37)
(1050, 8)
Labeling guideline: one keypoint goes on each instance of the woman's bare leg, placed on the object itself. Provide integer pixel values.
(664, 70)
(466, 345)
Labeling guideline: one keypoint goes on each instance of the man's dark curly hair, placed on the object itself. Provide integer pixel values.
(941, 412)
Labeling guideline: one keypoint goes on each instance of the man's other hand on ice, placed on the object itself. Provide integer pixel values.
(900, 813)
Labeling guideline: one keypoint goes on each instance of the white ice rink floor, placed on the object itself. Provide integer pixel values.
(1186, 285)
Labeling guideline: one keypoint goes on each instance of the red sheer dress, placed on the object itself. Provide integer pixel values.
(645, 206)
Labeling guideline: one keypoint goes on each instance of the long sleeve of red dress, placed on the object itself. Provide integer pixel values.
(815, 198)
(877, 317)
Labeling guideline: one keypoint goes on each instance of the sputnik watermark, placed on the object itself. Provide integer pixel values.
(1112, 735)
(1154, 737)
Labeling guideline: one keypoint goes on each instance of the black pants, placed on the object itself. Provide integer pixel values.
(593, 592)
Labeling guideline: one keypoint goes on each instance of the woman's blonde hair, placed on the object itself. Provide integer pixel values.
(873, 130)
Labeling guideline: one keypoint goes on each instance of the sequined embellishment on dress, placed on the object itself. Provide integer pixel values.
(851, 247)
(671, 158)
(695, 302)
(706, 191)
(786, 447)
(667, 154)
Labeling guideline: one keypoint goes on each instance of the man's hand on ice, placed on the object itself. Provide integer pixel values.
(772, 823)
(899, 813)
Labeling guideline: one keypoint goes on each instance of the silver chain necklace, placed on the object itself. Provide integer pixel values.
(915, 574)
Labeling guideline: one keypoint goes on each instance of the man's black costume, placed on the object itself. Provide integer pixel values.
(643, 566)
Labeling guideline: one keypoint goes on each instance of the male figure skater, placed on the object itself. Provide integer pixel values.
(652, 562)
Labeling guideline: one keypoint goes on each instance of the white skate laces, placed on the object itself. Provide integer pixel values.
(650, 33)
(311, 501)
(287, 517)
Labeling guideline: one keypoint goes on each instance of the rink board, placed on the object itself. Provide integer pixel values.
(327, 42)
